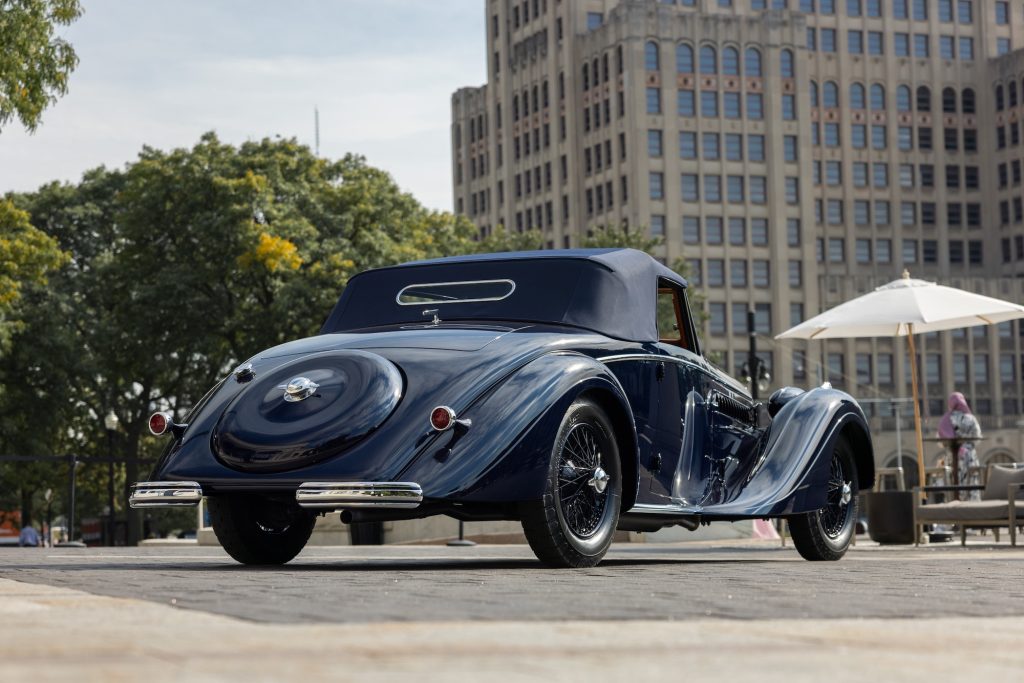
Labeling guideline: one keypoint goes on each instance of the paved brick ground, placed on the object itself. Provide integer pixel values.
(648, 581)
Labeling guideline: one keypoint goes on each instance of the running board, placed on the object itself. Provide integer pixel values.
(165, 494)
(359, 494)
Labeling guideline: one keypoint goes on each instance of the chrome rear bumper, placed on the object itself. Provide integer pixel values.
(359, 494)
(165, 494)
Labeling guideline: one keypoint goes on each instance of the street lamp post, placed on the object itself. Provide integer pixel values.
(110, 422)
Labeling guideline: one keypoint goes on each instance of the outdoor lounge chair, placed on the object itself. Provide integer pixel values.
(998, 507)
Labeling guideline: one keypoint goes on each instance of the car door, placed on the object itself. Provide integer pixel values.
(681, 467)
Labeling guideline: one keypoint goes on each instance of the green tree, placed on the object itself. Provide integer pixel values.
(35, 64)
(189, 261)
(26, 256)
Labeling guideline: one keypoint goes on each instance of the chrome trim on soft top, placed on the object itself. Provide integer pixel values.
(433, 302)
(165, 494)
(338, 495)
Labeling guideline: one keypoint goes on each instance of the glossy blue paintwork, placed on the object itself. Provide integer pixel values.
(684, 446)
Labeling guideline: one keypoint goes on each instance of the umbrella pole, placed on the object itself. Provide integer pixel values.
(917, 412)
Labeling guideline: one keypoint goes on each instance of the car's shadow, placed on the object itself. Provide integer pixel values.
(365, 565)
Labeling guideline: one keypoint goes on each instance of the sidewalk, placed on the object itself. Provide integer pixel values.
(56, 634)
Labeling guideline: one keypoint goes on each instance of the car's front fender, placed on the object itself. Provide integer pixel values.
(792, 469)
(505, 454)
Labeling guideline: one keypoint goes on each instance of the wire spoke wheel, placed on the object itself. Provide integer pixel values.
(579, 478)
(826, 534)
(573, 524)
(836, 513)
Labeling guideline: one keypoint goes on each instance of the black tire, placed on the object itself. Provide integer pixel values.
(826, 534)
(258, 529)
(573, 524)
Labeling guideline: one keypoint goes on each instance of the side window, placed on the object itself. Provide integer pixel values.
(673, 326)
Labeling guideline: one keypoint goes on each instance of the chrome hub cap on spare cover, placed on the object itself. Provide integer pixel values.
(582, 482)
(299, 389)
(835, 514)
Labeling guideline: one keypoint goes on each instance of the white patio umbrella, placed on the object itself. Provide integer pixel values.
(903, 308)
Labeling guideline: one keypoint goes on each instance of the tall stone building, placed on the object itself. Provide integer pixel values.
(793, 154)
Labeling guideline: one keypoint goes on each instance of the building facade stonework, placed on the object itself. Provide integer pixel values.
(793, 154)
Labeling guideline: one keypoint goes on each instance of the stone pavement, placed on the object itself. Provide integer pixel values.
(435, 613)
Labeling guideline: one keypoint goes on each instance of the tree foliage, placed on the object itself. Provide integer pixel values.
(26, 256)
(35, 64)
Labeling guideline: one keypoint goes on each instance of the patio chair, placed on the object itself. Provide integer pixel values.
(998, 506)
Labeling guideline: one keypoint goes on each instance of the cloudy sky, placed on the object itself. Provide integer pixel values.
(162, 72)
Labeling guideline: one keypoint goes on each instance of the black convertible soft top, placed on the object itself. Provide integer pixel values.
(611, 291)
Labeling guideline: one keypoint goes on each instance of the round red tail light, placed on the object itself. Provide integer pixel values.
(442, 418)
(159, 423)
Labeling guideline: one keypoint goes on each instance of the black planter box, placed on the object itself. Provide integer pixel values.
(891, 516)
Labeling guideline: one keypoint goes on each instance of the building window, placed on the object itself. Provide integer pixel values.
(828, 40)
(687, 145)
(858, 98)
(708, 60)
(594, 20)
(789, 107)
(738, 273)
(684, 59)
(689, 187)
(731, 61)
(686, 103)
(691, 230)
(654, 143)
(651, 60)
(653, 100)
(737, 231)
(755, 105)
(836, 250)
(901, 44)
(966, 48)
(657, 185)
(713, 229)
(709, 104)
(731, 105)
(789, 148)
(921, 45)
(759, 232)
(795, 273)
(793, 232)
(758, 189)
(786, 64)
(855, 42)
(752, 62)
(712, 188)
(716, 319)
(710, 146)
(755, 147)
(657, 225)
(863, 250)
(735, 189)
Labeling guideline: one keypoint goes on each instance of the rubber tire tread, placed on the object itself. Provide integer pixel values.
(540, 519)
(234, 524)
(808, 537)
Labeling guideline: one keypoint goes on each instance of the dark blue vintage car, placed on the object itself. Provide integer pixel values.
(564, 389)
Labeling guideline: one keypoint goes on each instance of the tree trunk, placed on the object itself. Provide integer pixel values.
(133, 529)
(26, 506)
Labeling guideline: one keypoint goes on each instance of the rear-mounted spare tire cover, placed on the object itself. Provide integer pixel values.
(260, 431)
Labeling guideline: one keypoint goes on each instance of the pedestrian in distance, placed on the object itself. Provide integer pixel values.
(29, 537)
(960, 424)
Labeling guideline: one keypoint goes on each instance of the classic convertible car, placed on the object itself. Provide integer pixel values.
(564, 389)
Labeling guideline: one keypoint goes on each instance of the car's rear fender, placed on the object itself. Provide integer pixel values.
(504, 455)
(792, 468)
